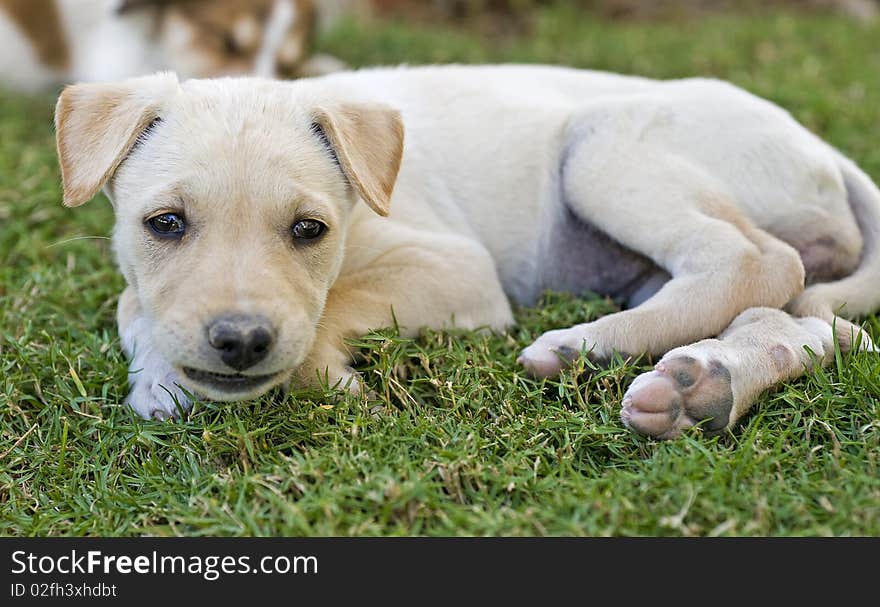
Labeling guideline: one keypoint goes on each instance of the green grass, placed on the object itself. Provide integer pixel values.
(459, 442)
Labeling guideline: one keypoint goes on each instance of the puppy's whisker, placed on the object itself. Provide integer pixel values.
(363, 247)
(69, 240)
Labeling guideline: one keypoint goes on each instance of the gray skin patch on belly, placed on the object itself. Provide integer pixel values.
(579, 258)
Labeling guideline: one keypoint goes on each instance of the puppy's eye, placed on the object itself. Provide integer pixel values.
(308, 229)
(169, 225)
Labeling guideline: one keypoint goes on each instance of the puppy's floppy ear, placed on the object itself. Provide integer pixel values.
(368, 142)
(96, 126)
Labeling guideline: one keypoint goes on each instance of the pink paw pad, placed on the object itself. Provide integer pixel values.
(679, 393)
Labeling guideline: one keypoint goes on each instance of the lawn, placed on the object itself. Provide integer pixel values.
(458, 441)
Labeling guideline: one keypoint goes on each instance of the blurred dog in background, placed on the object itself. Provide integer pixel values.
(515, 10)
(44, 43)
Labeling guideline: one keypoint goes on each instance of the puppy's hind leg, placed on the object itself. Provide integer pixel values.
(715, 381)
(856, 294)
(669, 210)
(155, 393)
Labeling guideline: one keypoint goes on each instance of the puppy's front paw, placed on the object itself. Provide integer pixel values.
(680, 392)
(342, 378)
(156, 394)
(555, 351)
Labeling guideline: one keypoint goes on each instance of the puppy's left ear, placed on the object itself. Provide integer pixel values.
(96, 126)
(367, 140)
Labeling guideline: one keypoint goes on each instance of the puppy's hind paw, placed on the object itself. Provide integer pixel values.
(159, 398)
(680, 392)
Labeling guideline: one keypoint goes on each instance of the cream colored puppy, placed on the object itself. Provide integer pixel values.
(260, 224)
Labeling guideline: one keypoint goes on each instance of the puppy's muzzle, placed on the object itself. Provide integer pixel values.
(238, 343)
(241, 341)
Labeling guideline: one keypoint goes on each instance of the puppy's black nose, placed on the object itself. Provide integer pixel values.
(242, 341)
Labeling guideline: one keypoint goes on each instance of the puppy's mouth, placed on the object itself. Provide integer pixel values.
(234, 383)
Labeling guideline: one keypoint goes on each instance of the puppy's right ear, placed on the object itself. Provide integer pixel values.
(96, 126)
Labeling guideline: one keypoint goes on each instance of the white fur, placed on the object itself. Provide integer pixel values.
(697, 175)
(102, 46)
(511, 122)
(20, 67)
(282, 17)
(155, 390)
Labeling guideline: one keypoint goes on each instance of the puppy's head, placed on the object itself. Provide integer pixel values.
(232, 200)
(207, 38)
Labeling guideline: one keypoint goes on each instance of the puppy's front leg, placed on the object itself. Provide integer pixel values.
(429, 280)
(155, 392)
